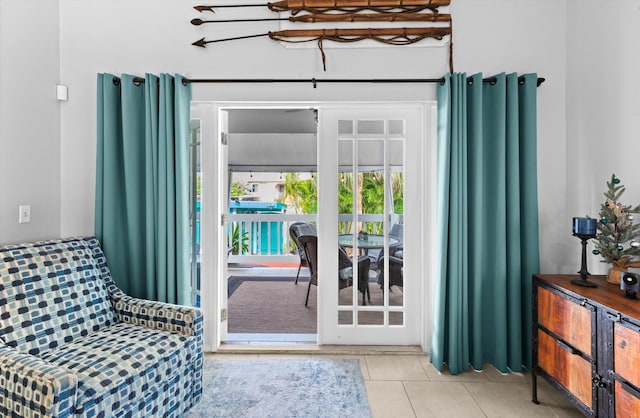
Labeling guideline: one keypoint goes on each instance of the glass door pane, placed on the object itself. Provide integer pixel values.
(390, 267)
(346, 224)
(370, 222)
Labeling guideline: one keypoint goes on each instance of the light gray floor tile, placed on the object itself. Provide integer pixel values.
(548, 395)
(442, 399)
(445, 376)
(495, 375)
(510, 399)
(388, 399)
(395, 368)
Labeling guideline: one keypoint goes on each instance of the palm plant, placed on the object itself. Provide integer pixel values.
(345, 199)
(302, 195)
(239, 242)
(372, 198)
(397, 188)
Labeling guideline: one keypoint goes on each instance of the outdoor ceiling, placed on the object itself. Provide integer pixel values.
(272, 152)
(272, 121)
(272, 140)
(285, 140)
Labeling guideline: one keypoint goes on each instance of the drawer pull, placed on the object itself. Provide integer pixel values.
(615, 317)
(568, 348)
(630, 390)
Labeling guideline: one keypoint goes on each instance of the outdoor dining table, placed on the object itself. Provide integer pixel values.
(370, 242)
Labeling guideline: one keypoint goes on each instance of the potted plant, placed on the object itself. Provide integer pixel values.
(616, 237)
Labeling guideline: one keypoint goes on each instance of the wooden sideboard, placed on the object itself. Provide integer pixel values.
(586, 343)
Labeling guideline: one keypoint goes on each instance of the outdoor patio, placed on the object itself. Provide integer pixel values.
(265, 304)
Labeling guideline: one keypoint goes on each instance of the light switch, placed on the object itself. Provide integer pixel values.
(25, 214)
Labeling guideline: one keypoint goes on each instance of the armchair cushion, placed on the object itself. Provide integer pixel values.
(121, 365)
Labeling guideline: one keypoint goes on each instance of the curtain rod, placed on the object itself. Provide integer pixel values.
(315, 81)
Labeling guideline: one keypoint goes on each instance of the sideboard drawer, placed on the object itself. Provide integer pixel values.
(566, 319)
(626, 346)
(627, 400)
(569, 369)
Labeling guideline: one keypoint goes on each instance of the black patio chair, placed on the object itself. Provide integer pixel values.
(345, 267)
(295, 230)
(396, 272)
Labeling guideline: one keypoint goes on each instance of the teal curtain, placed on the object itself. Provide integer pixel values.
(487, 212)
(142, 184)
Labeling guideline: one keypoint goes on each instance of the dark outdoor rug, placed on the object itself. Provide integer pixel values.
(265, 306)
(275, 305)
(235, 281)
(282, 388)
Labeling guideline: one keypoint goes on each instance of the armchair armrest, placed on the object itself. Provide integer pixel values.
(158, 315)
(167, 317)
(32, 387)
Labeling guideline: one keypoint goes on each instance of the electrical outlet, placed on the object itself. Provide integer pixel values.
(25, 214)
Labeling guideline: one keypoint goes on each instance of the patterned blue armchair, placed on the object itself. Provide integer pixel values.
(72, 344)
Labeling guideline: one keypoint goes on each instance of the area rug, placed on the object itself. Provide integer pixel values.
(282, 388)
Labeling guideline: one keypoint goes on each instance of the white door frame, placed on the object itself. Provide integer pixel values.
(211, 302)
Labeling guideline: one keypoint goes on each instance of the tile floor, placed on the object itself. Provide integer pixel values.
(407, 385)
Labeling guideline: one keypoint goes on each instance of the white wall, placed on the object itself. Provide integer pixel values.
(603, 106)
(29, 119)
(138, 36)
(155, 36)
(527, 36)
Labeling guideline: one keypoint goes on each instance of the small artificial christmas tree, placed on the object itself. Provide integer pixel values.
(616, 236)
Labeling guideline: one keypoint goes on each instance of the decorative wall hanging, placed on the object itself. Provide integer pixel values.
(343, 17)
(324, 6)
(347, 11)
